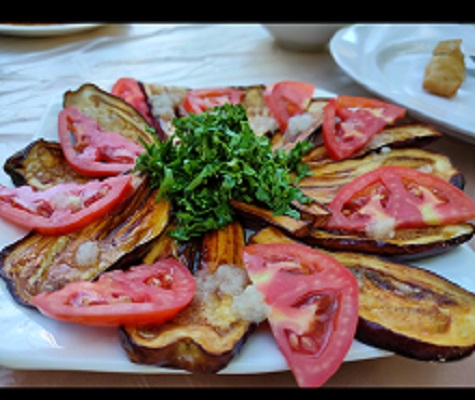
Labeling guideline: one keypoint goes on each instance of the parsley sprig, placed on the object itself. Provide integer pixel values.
(214, 157)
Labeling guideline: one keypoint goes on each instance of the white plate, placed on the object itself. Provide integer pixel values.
(390, 61)
(31, 341)
(44, 30)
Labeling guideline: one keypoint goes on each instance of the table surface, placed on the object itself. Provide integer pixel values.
(35, 70)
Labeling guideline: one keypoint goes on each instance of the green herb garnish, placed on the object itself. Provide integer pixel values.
(214, 157)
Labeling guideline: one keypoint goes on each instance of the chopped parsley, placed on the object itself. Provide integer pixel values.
(215, 156)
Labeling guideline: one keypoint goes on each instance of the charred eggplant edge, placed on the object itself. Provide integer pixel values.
(376, 335)
(140, 354)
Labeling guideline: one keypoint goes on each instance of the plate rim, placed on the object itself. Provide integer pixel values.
(46, 29)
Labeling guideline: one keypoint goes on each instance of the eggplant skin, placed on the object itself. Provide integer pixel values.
(41, 164)
(326, 180)
(186, 353)
(373, 334)
(411, 311)
(407, 244)
(111, 112)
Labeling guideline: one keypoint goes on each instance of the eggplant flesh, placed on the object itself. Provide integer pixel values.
(399, 136)
(327, 179)
(38, 263)
(255, 216)
(166, 102)
(41, 164)
(207, 334)
(404, 309)
(111, 112)
(407, 244)
(411, 311)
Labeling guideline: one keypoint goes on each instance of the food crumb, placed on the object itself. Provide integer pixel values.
(247, 302)
(250, 304)
(87, 254)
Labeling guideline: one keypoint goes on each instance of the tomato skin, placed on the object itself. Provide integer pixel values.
(48, 212)
(361, 119)
(144, 294)
(390, 113)
(129, 90)
(314, 302)
(287, 98)
(198, 100)
(96, 153)
(414, 199)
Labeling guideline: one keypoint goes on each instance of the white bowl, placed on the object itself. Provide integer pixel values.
(303, 37)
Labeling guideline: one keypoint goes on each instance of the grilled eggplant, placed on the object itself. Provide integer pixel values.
(39, 263)
(288, 140)
(165, 103)
(406, 135)
(407, 310)
(406, 244)
(111, 112)
(206, 335)
(327, 179)
(256, 216)
(41, 164)
(165, 246)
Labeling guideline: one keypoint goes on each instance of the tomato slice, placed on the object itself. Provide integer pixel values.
(90, 150)
(407, 197)
(199, 100)
(350, 105)
(314, 306)
(286, 99)
(63, 208)
(129, 90)
(360, 118)
(144, 294)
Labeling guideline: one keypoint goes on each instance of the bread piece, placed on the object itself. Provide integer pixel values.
(446, 70)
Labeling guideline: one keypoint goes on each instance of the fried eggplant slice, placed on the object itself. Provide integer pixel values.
(287, 140)
(407, 310)
(38, 263)
(165, 247)
(166, 103)
(326, 180)
(111, 112)
(256, 216)
(406, 244)
(41, 164)
(412, 312)
(399, 136)
(206, 335)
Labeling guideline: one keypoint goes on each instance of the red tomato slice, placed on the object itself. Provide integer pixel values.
(413, 199)
(90, 150)
(314, 306)
(145, 294)
(129, 90)
(286, 99)
(63, 208)
(199, 100)
(360, 119)
(347, 106)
